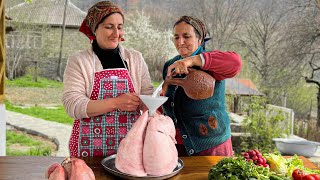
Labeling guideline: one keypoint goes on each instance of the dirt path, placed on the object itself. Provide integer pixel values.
(32, 96)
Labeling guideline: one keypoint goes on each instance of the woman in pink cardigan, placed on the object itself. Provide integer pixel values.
(102, 84)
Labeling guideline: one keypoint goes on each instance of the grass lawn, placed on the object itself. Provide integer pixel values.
(27, 81)
(56, 114)
(19, 144)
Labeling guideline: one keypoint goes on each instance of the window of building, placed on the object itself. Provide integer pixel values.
(24, 40)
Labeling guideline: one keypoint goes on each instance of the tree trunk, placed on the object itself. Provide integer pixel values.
(318, 113)
(11, 75)
(35, 75)
(236, 104)
(126, 6)
(59, 78)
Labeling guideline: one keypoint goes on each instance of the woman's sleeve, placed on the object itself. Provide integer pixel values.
(74, 97)
(222, 65)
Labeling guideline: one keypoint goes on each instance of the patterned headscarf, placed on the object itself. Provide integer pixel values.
(95, 14)
(198, 26)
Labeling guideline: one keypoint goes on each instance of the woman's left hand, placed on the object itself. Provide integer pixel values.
(181, 66)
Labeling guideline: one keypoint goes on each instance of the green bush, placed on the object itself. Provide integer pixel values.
(262, 128)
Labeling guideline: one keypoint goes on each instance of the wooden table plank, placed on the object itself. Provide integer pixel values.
(25, 167)
(34, 167)
(307, 162)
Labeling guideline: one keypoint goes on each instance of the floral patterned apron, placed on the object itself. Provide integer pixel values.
(101, 135)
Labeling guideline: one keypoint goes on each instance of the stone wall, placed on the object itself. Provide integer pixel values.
(73, 41)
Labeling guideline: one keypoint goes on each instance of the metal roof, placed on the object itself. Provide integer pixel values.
(243, 87)
(48, 12)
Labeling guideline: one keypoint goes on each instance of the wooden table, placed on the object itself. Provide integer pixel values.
(34, 167)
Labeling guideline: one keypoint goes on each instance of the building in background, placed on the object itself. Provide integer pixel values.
(35, 43)
(240, 90)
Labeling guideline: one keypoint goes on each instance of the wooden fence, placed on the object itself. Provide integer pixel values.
(308, 129)
(2, 50)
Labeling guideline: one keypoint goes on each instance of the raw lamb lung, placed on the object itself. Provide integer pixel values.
(77, 169)
(160, 155)
(71, 169)
(129, 155)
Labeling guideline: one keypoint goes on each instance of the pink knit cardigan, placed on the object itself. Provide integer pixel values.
(78, 78)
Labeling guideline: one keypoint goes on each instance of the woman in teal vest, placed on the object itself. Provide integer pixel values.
(203, 126)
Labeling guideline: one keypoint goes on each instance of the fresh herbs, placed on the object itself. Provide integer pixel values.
(236, 169)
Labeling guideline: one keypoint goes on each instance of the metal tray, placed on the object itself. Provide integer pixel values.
(109, 165)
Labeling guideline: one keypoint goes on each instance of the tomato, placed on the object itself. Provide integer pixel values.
(316, 176)
(297, 174)
(308, 177)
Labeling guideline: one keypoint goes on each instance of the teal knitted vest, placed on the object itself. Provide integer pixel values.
(203, 124)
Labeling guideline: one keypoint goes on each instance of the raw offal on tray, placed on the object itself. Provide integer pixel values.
(149, 147)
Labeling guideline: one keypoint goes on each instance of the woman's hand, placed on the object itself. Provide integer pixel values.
(127, 102)
(181, 66)
(143, 107)
(124, 102)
